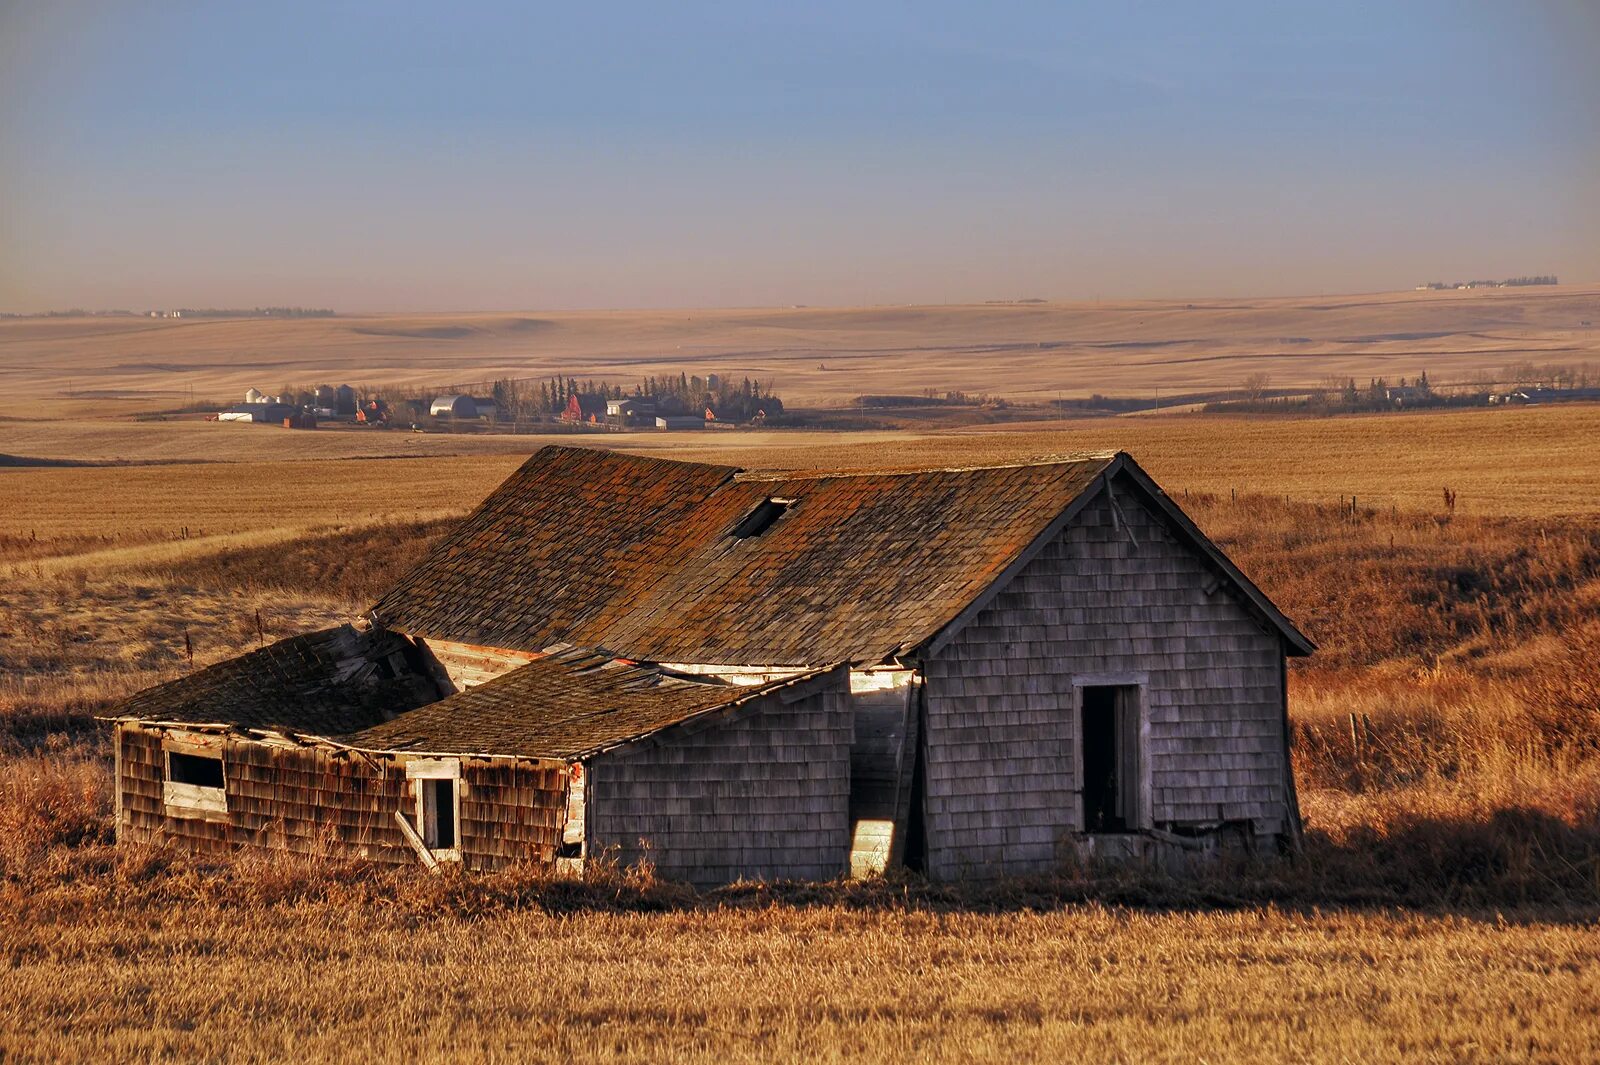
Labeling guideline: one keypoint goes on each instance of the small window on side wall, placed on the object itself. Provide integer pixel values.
(439, 814)
(195, 784)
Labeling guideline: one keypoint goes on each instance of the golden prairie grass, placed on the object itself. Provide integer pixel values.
(69, 648)
(325, 981)
(1444, 908)
(1511, 463)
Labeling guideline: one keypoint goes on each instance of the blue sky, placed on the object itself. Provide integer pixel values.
(395, 156)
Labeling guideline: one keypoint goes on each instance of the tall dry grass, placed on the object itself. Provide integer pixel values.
(325, 981)
(1443, 909)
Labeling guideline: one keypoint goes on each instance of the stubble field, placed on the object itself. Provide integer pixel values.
(818, 356)
(1444, 910)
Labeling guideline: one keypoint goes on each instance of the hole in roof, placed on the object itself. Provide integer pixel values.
(761, 518)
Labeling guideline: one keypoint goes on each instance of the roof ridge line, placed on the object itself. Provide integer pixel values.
(1060, 459)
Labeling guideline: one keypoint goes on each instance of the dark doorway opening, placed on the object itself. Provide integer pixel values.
(915, 855)
(1109, 734)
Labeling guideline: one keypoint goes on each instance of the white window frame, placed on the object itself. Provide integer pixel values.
(419, 770)
(193, 800)
(1144, 819)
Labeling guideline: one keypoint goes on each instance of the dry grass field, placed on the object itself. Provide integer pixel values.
(1445, 908)
(347, 979)
(236, 484)
(815, 356)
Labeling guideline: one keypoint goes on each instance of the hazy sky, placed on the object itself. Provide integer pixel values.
(464, 156)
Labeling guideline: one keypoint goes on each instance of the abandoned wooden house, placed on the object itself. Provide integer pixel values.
(732, 673)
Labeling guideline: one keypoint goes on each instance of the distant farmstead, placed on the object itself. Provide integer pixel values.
(584, 409)
(454, 407)
(734, 673)
(631, 411)
(294, 410)
(265, 412)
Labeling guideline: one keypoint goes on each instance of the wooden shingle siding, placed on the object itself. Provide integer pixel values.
(318, 800)
(1001, 728)
(511, 812)
(764, 794)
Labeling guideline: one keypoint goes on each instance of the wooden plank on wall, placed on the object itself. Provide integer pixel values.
(190, 799)
(424, 855)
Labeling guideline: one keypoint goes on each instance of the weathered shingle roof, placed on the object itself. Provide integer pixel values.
(563, 706)
(636, 555)
(323, 683)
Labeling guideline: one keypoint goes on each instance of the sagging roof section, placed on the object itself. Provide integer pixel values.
(638, 556)
(328, 682)
(564, 706)
(329, 688)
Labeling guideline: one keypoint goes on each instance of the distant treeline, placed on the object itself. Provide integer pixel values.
(186, 312)
(930, 398)
(256, 312)
(1510, 282)
(685, 394)
(1524, 382)
(531, 399)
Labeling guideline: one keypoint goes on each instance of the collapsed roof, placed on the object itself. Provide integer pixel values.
(328, 682)
(359, 690)
(568, 705)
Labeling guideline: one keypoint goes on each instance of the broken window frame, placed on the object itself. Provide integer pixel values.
(181, 798)
(1133, 704)
(425, 774)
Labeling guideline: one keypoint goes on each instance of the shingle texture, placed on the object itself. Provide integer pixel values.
(562, 706)
(762, 794)
(637, 556)
(1000, 781)
(323, 683)
(333, 803)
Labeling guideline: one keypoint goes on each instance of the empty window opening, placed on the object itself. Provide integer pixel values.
(438, 813)
(194, 769)
(194, 785)
(761, 518)
(1109, 734)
